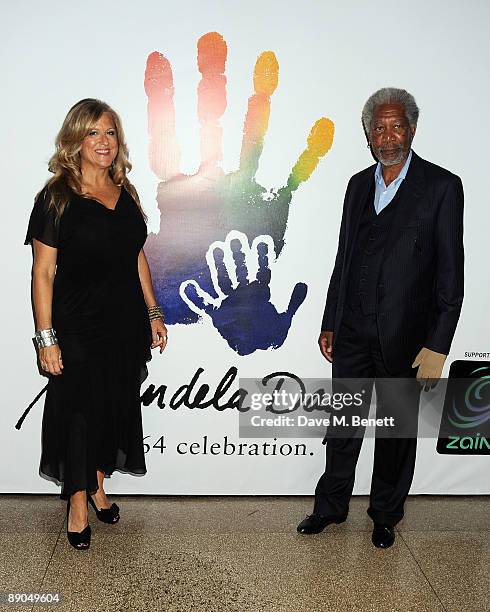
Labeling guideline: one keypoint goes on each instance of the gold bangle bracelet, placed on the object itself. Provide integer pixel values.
(155, 312)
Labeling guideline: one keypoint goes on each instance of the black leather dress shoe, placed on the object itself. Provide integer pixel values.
(383, 535)
(316, 523)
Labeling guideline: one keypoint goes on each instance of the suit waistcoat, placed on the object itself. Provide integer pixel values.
(367, 256)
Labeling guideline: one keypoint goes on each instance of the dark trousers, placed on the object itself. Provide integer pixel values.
(357, 354)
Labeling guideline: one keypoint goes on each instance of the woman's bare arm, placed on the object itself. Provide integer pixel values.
(43, 273)
(145, 279)
(158, 329)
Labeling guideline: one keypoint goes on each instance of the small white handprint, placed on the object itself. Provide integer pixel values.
(241, 310)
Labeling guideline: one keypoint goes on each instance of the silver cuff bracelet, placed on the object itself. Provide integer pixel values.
(45, 337)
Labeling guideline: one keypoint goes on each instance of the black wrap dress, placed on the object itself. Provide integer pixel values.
(92, 411)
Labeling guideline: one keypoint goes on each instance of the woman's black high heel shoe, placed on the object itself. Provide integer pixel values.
(78, 539)
(106, 515)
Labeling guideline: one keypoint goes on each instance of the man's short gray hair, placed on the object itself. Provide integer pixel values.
(390, 95)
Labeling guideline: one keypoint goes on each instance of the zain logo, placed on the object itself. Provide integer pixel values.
(476, 409)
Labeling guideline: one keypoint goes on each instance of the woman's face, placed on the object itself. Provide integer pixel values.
(100, 145)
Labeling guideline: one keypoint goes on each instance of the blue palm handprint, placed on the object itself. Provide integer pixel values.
(242, 311)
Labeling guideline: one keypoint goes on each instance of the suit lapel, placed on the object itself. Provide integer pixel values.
(358, 202)
(409, 192)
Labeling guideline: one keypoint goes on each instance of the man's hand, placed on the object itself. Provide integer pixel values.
(430, 366)
(325, 341)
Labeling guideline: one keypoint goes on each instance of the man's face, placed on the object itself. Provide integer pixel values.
(391, 135)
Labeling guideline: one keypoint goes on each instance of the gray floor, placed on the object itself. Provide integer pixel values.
(243, 553)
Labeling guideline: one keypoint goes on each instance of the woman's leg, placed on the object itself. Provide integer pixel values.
(78, 517)
(99, 496)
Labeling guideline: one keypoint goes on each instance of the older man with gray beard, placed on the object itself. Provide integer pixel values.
(392, 305)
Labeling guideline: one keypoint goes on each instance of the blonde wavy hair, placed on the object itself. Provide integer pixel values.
(65, 162)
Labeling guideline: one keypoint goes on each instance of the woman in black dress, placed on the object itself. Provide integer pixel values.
(96, 313)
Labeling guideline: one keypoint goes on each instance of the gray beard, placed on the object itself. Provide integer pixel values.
(398, 159)
(394, 160)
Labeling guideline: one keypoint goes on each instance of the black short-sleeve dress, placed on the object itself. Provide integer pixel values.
(92, 411)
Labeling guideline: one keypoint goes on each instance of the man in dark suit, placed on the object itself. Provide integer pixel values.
(392, 305)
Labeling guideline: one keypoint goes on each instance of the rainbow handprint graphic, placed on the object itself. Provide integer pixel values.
(218, 231)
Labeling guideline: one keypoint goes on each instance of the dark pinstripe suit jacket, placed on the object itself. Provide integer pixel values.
(421, 282)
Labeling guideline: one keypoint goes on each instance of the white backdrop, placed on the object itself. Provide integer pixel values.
(332, 55)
